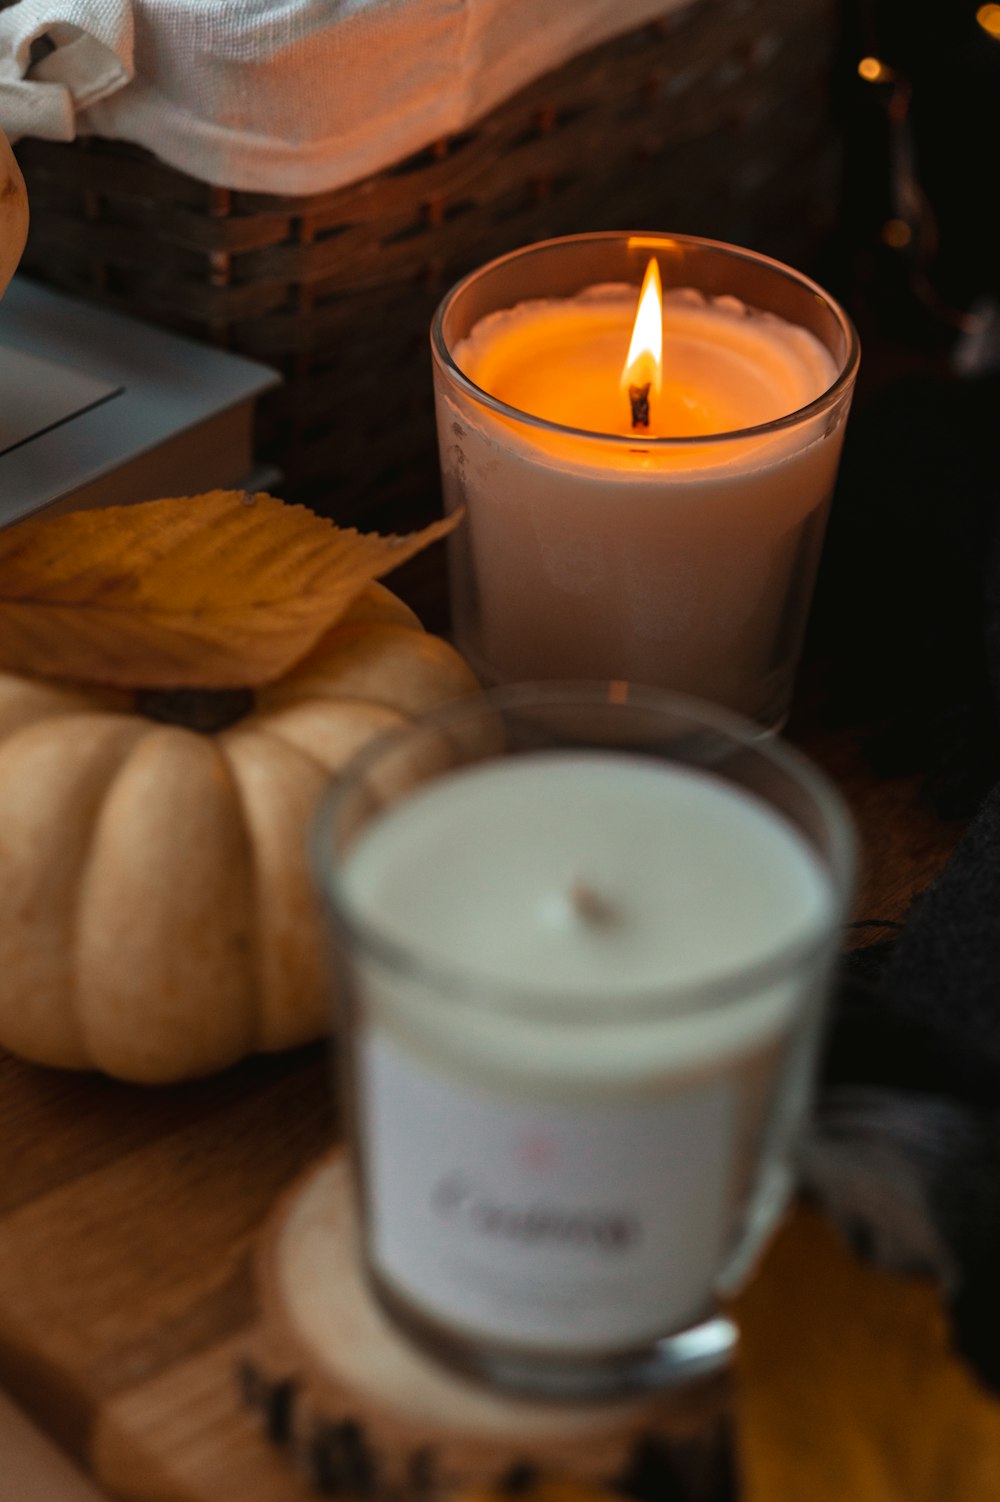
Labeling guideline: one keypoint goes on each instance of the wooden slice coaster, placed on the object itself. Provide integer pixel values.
(366, 1414)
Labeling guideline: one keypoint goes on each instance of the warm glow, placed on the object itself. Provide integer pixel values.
(988, 17)
(644, 362)
(874, 71)
(896, 233)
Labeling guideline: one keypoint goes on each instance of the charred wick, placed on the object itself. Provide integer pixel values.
(639, 401)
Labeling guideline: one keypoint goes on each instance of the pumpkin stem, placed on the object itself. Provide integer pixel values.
(204, 709)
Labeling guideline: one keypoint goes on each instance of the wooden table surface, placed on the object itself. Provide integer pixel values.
(34, 1470)
(128, 1219)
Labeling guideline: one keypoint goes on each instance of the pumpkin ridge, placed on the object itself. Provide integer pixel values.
(89, 771)
(269, 722)
(280, 947)
(80, 885)
(255, 884)
(134, 1010)
(25, 701)
(252, 877)
(290, 745)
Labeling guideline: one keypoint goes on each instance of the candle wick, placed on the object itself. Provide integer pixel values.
(639, 401)
(589, 906)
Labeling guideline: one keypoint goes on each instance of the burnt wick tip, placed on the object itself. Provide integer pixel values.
(590, 906)
(639, 401)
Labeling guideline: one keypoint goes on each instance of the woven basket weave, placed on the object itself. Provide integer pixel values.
(715, 122)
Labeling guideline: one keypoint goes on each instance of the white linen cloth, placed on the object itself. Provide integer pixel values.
(284, 96)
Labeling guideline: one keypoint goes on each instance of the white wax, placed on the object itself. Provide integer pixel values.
(725, 366)
(687, 566)
(698, 883)
(478, 869)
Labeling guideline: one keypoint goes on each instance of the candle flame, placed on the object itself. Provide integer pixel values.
(644, 362)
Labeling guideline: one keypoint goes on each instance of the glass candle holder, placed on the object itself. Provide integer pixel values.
(584, 937)
(683, 554)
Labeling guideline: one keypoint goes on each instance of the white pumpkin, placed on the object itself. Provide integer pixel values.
(158, 918)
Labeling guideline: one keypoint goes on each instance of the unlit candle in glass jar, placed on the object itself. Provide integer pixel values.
(563, 1094)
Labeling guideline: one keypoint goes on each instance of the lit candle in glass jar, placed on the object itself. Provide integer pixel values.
(632, 515)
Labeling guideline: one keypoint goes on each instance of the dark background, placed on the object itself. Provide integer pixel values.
(901, 637)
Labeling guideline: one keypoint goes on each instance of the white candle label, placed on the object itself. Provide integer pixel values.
(577, 1227)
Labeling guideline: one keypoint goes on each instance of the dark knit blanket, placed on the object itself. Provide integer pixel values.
(904, 1145)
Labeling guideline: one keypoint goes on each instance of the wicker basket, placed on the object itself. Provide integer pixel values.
(716, 121)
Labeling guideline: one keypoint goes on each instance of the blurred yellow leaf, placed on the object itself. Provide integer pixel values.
(220, 590)
(848, 1387)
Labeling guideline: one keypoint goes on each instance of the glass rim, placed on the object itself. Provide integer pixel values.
(453, 983)
(847, 372)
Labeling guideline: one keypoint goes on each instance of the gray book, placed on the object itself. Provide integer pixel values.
(99, 409)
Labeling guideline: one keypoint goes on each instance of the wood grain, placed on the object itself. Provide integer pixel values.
(133, 1253)
(183, 1437)
(128, 1219)
(33, 1469)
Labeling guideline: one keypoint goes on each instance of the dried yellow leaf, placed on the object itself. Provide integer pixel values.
(848, 1387)
(218, 590)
